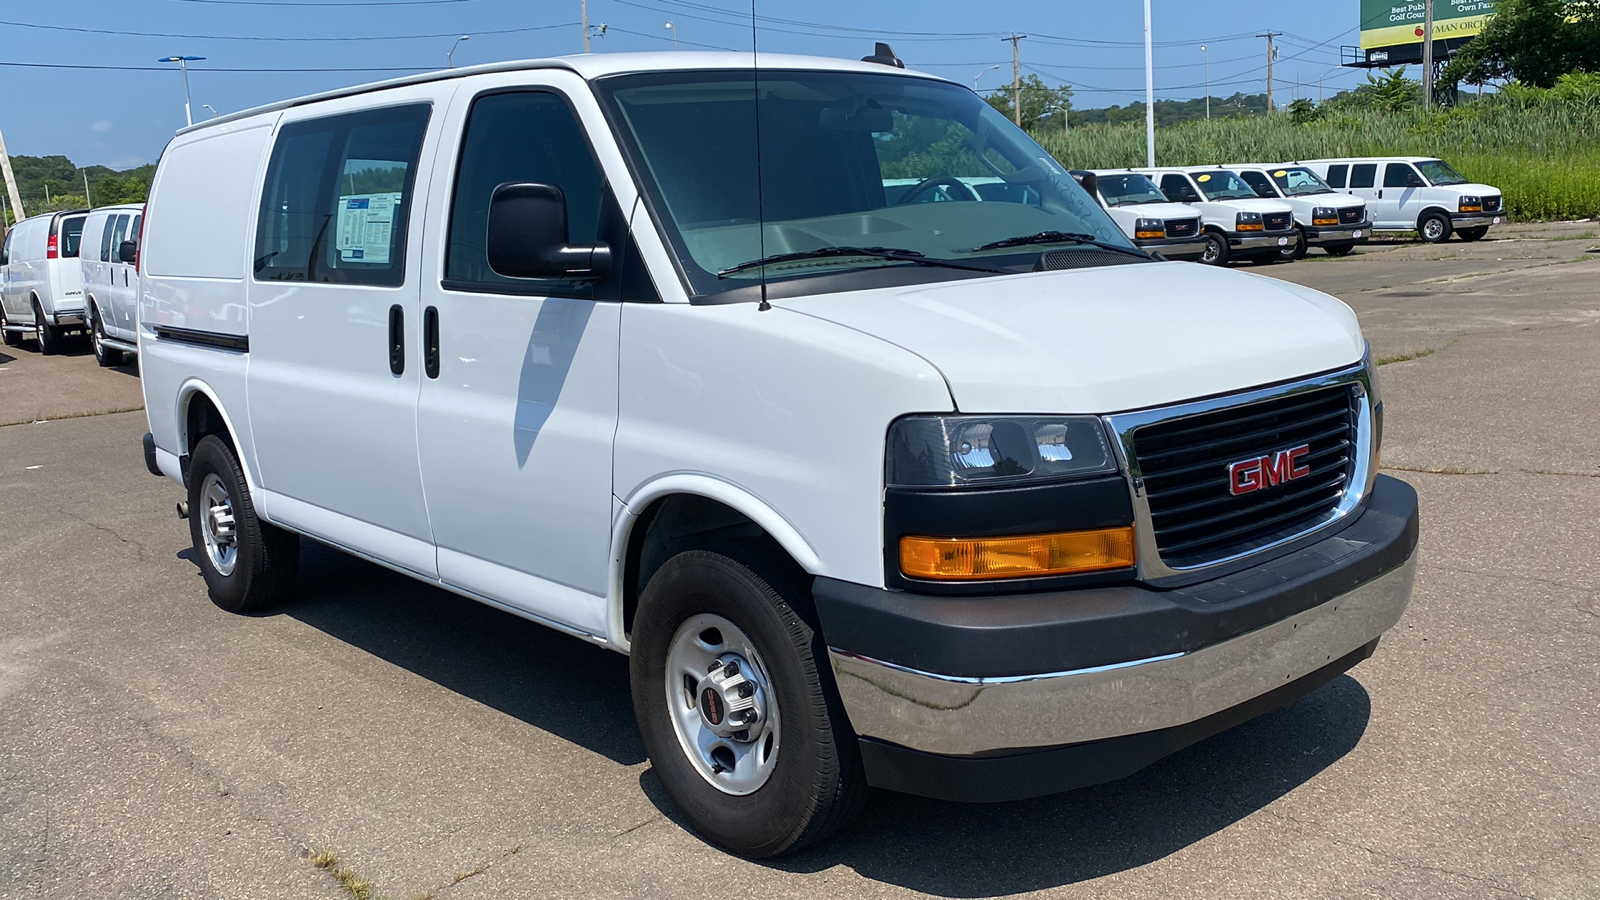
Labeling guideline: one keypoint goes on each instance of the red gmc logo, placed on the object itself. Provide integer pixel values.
(1250, 475)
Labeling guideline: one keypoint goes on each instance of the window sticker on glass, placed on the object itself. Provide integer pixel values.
(1204, 178)
(1281, 173)
(366, 224)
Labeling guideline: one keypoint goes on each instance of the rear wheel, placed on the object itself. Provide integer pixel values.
(1473, 234)
(1216, 252)
(1296, 250)
(247, 563)
(11, 338)
(1339, 249)
(736, 705)
(105, 356)
(48, 336)
(1434, 228)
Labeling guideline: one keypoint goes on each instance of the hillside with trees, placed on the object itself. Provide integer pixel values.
(49, 183)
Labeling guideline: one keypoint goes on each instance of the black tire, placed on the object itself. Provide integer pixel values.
(1434, 227)
(1262, 259)
(1339, 249)
(1217, 250)
(265, 557)
(1472, 234)
(816, 784)
(48, 336)
(105, 356)
(1298, 249)
(11, 338)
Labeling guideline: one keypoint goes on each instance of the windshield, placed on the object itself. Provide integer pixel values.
(1129, 190)
(884, 162)
(1299, 181)
(1438, 172)
(1220, 184)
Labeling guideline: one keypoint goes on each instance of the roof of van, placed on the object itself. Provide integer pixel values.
(590, 66)
(1362, 159)
(117, 206)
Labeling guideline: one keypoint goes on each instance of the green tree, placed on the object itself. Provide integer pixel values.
(1038, 100)
(1303, 110)
(1533, 41)
(1393, 92)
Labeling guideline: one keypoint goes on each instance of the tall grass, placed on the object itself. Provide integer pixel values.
(1545, 156)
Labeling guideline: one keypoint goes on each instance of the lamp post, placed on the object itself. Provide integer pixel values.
(1208, 80)
(1065, 119)
(213, 109)
(183, 66)
(450, 58)
(1149, 93)
(673, 27)
(981, 73)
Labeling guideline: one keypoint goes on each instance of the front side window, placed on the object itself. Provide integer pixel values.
(1363, 175)
(1438, 172)
(1178, 188)
(105, 239)
(338, 198)
(1129, 189)
(521, 136)
(1399, 175)
(1298, 181)
(1336, 175)
(1259, 183)
(835, 161)
(71, 236)
(119, 233)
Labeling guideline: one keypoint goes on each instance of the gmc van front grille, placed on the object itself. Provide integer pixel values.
(1491, 204)
(1279, 221)
(1190, 468)
(1178, 228)
(1351, 215)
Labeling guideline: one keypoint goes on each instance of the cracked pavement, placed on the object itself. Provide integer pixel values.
(154, 746)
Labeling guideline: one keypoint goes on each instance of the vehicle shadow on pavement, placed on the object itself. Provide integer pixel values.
(969, 850)
(576, 691)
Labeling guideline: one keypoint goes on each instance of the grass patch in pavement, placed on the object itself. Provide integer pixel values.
(79, 415)
(1418, 354)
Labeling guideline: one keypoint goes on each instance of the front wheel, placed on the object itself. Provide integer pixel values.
(11, 338)
(1434, 228)
(1339, 249)
(1296, 250)
(1473, 234)
(105, 356)
(247, 563)
(1216, 252)
(736, 706)
(48, 336)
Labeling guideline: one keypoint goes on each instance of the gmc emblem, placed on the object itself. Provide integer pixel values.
(1250, 475)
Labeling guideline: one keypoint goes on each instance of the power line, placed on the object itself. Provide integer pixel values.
(24, 65)
(227, 37)
(327, 3)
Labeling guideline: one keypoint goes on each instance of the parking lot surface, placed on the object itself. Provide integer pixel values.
(379, 735)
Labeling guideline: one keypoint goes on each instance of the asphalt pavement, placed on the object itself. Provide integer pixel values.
(382, 736)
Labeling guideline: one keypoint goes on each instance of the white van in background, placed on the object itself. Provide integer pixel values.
(42, 290)
(111, 281)
(1145, 215)
(1415, 193)
(1238, 224)
(1324, 217)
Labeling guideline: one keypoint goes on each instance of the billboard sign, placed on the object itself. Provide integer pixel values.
(1396, 23)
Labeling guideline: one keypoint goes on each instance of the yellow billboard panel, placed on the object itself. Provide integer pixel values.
(1393, 23)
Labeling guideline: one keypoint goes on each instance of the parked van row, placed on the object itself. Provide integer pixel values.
(66, 272)
(1415, 193)
(870, 437)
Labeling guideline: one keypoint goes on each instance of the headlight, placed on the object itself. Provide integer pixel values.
(1249, 222)
(1471, 204)
(953, 451)
(1324, 215)
(1146, 229)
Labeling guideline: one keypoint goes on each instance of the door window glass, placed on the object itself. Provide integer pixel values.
(1399, 175)
(522, 136)
(1179, 189)
(1363, 175)
(119, 233)
(105, 239)
(1336, 175)
(1259, 183)
(338, 198)
(71, 236)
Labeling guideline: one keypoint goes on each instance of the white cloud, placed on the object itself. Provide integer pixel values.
(126, 162)
(101, 125)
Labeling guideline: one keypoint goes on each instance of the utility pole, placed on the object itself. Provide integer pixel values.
(1208, 80)
(11, 182)
(1272, 55)
(583, 7)
(1149, 93)
(86, 201)
(1427, 55)
(1016, 76)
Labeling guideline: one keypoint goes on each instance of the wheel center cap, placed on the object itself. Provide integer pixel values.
(731, 699)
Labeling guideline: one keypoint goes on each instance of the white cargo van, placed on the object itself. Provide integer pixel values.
(1416, 193)
(1237, 223)
(1324, 217)
(1144, 215)
(110, 282)
(41, 285)
(968, 499)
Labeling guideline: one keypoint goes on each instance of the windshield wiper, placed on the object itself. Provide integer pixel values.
(894, 254)
(1060, 237)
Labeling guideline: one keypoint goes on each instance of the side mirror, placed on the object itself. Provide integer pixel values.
(1089, 181)
(128, 252)
(528, 236)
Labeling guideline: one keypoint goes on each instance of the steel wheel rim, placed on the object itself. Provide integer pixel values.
(1213, 251)
(699, 649)
(94, 335)
(217, 525)
(1432, 229)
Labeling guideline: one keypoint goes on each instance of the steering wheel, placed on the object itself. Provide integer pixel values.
(944, 180)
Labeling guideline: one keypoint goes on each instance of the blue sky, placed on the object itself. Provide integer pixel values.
(122, 117)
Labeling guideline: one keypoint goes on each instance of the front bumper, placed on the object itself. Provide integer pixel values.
(1139, 673)
(1476, 220)
(1271, 240)
(1176, 248)
(1338, 234)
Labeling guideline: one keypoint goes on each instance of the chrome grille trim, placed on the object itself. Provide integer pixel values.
(1152, 568)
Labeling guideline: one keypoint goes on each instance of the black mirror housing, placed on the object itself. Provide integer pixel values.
(1089, 181)
(527, 236)
(128, 252)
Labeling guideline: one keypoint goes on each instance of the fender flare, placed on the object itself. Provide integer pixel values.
(728, 494)
(186, 392)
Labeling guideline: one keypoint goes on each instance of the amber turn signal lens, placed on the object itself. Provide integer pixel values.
(1324, 221)
(1025, 556)
(1149, 235)
(1465, 208)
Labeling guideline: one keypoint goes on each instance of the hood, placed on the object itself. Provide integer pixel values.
(1474, 190)
(1103, 340)
(1258, 204)
(1157, 211)
(1333, 199)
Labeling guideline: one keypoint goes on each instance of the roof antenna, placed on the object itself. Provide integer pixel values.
(883, 55)
(761, 209)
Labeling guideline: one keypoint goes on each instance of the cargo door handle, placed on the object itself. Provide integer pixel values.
(430, 341)
(397, 339)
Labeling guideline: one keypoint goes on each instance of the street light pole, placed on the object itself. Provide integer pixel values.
(213, 109)
(1208, 80)
(1065, 123)
(980, 74)
(183, 66)
(450, 58)
(1149, 93)
(673, 27)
